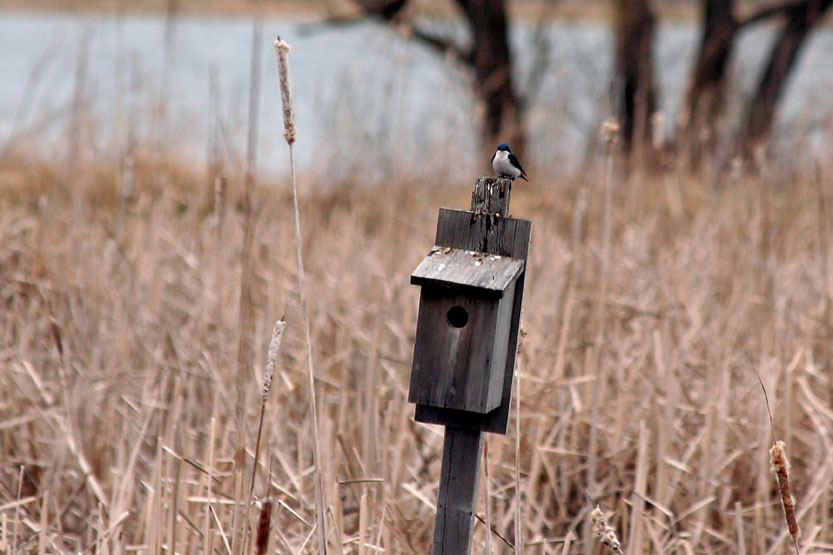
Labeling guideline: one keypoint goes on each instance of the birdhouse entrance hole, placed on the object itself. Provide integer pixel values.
(458, 316)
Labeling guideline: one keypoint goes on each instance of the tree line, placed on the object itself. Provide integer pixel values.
(633, 85)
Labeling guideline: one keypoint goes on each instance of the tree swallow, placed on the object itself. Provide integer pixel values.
(506, 164)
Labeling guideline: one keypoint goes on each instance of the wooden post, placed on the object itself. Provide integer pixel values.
(477, 269)
(491, 196)
(457, 499)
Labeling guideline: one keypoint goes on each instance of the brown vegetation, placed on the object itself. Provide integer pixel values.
(118, 344)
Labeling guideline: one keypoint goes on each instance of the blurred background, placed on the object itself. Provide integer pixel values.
(401, 82)
(679, 155)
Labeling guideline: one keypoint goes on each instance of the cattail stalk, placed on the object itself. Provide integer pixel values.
(610, 135)
(604, 531)
(246, 306)
(488, 498)
(282, 49)
(519, 531)
(781, 467)
(219, 218)
(246, 325)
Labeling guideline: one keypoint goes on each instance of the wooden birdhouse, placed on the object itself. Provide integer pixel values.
(471, 294)
(463, 330)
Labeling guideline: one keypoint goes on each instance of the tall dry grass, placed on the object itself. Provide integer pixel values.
(118, 358)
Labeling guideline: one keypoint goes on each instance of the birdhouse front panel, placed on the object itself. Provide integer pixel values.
(460, 351)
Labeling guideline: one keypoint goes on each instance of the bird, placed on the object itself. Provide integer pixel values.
(506, 164)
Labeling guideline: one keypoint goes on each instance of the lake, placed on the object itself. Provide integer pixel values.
(368, 101)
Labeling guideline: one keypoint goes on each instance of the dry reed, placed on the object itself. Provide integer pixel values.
(245, 319)
(487, 494)
(145, 375)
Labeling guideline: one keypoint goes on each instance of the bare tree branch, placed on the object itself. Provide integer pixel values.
(489, 58)
(390, 11)
(440, 43)
(803, 18)
(771, 11)
(385, 9)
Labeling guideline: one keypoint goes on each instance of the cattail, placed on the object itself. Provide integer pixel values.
(605, 532)
(610, 130)
(271, 360)
(272, 357)
(781, 467)
(263, 527)
(289, 134)
(283, 49)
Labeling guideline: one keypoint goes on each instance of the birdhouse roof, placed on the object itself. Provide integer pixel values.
(486, 273)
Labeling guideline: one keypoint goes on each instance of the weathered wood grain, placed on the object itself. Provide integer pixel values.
(460, 367)
(453, 526)
(471, 271)
(491, 195)
(462, 229)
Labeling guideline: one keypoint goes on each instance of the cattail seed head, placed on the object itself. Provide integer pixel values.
(604, 531)
(610, 130)
(272, 357)
(781, 467)
(282, 50)
(263, 528)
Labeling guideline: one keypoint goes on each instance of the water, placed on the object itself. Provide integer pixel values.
(368, 102)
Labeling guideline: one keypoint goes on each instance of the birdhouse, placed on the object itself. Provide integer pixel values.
(471, 296)
(464, 329)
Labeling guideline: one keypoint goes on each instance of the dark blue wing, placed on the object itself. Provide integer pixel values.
(514, 161)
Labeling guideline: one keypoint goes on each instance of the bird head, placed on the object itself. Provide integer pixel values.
(503, 146)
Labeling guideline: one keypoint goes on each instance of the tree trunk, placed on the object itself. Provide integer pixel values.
(492, 64)
(801, 19)
(488, 57)
(705, 97)
(633, 86)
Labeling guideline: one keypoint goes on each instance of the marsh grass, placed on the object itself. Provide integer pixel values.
(118, 420)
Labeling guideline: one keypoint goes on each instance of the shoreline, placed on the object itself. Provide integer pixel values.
(532, 9)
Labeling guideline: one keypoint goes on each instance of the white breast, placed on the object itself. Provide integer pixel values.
(502, 167)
